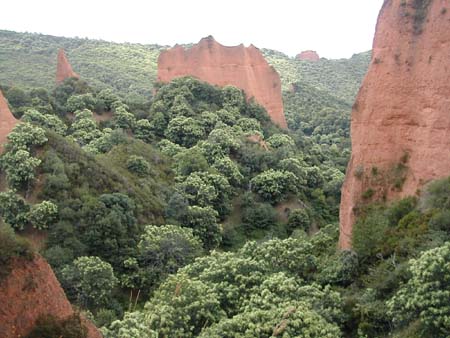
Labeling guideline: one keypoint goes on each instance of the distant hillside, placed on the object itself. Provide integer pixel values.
(29, 60)
(341, 78)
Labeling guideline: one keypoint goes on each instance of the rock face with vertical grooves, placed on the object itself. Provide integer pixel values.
(400, 124)
(63, 68)
(308, 55)
(29, 291)
(238, 66)
(7, 121)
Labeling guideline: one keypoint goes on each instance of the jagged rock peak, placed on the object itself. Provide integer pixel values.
(64, 69)
(7, 121)
(308, 55)
(240, 66)
(400, 123)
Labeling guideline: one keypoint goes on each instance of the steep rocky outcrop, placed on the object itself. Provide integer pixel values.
(401, 118)
(7, 121)
(308, 55)
(239, 66)
(29, 291)
(63, 68)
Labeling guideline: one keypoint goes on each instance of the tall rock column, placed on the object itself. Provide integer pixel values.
(64, 69)
(400, 124)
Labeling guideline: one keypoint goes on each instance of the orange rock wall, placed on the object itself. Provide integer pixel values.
(63, 68)
(7, 121)
(308, 55)
(239, 66)
(31, 290)
(402, 112)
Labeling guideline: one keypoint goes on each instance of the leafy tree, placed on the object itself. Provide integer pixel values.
(143, 131)
(204, 189)
(189, 161)
(13, 209)
(132, 325)
(233, 97)
(249, 125)
(288, 320)
(203, 221)
(274, 185)
(91, 280)
(20, 167)
(84, 128)
(108, 227)
(182, 307)
(299, 219)
(162, 250)
(184, 131)
(424, 296)
(280, 140)
(226, 167)
(107, 97)
(43, 214)
(51, 122)
(80, 102)
(258, 216)
(138, 165)
(123, 119)
(24, 136)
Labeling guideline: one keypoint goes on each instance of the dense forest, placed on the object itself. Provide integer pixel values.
(188, 213)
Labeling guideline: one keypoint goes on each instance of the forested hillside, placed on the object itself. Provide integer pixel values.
(197, 217)
(29, 60)
(188, 213)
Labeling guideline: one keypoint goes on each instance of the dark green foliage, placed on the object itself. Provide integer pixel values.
(48, 326)
(11, 246)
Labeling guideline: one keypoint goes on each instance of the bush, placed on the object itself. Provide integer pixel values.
(43, 214)
(48, 326)
(11, 246)
(138, 165)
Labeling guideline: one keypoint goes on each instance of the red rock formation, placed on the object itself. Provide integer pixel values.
(63, 68)
(401, 118)
(239, 66)
(7, 121)
(308, 55)
(29, 291)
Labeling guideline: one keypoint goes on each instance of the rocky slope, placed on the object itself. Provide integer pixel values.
(7, 120)
(401, 118)
(308, 55)
(239, 66)
(63, 67)
(29, 291)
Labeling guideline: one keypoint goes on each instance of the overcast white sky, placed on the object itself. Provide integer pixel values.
(334, 28)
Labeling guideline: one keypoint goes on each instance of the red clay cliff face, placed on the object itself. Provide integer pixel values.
(308, 55)
(7, 121)
(63, 68)
(29, 291)
(400, 124)
(238, 66)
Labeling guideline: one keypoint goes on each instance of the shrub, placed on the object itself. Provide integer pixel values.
(138, 165)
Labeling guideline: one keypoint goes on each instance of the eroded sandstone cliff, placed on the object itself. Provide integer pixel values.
(308, 55)
(7, 120)
(400, 124)
(239, 66)
(63, 67)
(29, 291)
